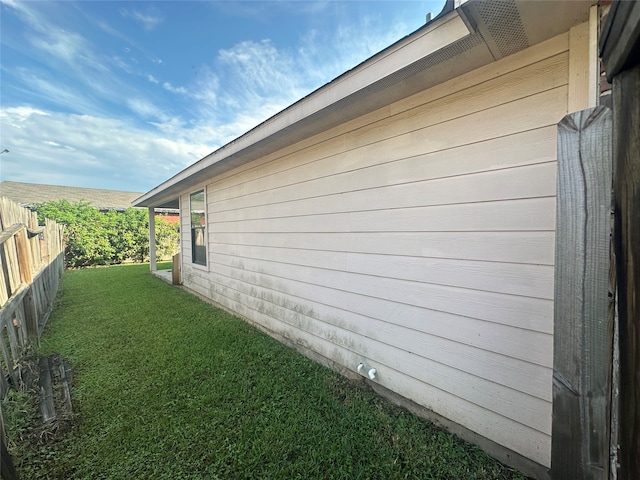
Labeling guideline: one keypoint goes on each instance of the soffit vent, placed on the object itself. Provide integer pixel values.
(447, 53)
(500, 23)
(443, 55)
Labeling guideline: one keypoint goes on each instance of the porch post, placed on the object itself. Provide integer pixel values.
(152, 238)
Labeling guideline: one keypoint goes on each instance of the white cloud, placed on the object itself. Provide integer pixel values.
(51, 41)
(328, 54)
(148, 21)
(243, 86)
(66, 46)
(27, 13)
(252, 81)
(21, 113)
(145, 109)
(51, 147)
(68, 69)
(247, 84)
(51, 90)
(205, 89)
(170, 88)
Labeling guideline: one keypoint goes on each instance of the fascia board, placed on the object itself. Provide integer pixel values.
(389, 61)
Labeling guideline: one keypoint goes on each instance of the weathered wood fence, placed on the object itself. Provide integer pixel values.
(31, 265)
(619, 49)
(584, 298)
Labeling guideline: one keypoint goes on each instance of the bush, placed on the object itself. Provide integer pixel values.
(167, 238)
(93, 237)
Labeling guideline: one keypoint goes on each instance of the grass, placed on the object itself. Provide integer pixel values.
(168, 387)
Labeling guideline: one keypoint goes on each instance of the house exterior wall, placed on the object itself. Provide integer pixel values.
(418, 239)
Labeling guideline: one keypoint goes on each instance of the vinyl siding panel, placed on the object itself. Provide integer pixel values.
(505, 247)
(419, 239)
(511, 119)
(520, 311)
(524, 279)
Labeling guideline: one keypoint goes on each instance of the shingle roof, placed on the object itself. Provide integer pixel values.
(31, 193)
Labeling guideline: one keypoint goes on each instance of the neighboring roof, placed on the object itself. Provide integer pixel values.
(30, 193)
(465, 36)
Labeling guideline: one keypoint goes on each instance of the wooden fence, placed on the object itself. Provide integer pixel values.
(584, 299)
(619, 47)
(31, 265)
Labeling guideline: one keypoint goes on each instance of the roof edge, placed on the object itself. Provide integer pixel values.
(473, 31)
(443, 30)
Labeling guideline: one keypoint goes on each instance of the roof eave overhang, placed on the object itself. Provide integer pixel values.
(457, 41)
(439, 33)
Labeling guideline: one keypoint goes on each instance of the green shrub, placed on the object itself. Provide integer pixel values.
(94, 238)
(167, 238)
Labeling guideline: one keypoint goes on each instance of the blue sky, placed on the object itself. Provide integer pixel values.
(123, 95)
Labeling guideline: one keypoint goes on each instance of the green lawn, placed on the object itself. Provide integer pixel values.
(169, 387)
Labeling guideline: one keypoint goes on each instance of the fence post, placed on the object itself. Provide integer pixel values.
(24, 256)
(31, 318)
(176, 268)
(627, 202)
(619, 47)
(583, 312)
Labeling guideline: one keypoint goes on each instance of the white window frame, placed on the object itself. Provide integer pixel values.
(203, 228)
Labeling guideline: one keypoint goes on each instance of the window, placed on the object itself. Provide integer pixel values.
(198, 223)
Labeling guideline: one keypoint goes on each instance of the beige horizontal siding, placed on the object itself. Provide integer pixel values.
(418, 238)
(519, 311)
(529, 181)
(487, 216)
(507, 247)
(523, 114)
(376, 324)
(470, 369)
(523, 279)
(332, 138)
(407, 378)
(520, 149)
(502, 339)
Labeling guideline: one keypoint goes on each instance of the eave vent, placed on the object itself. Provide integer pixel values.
(502, 22)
